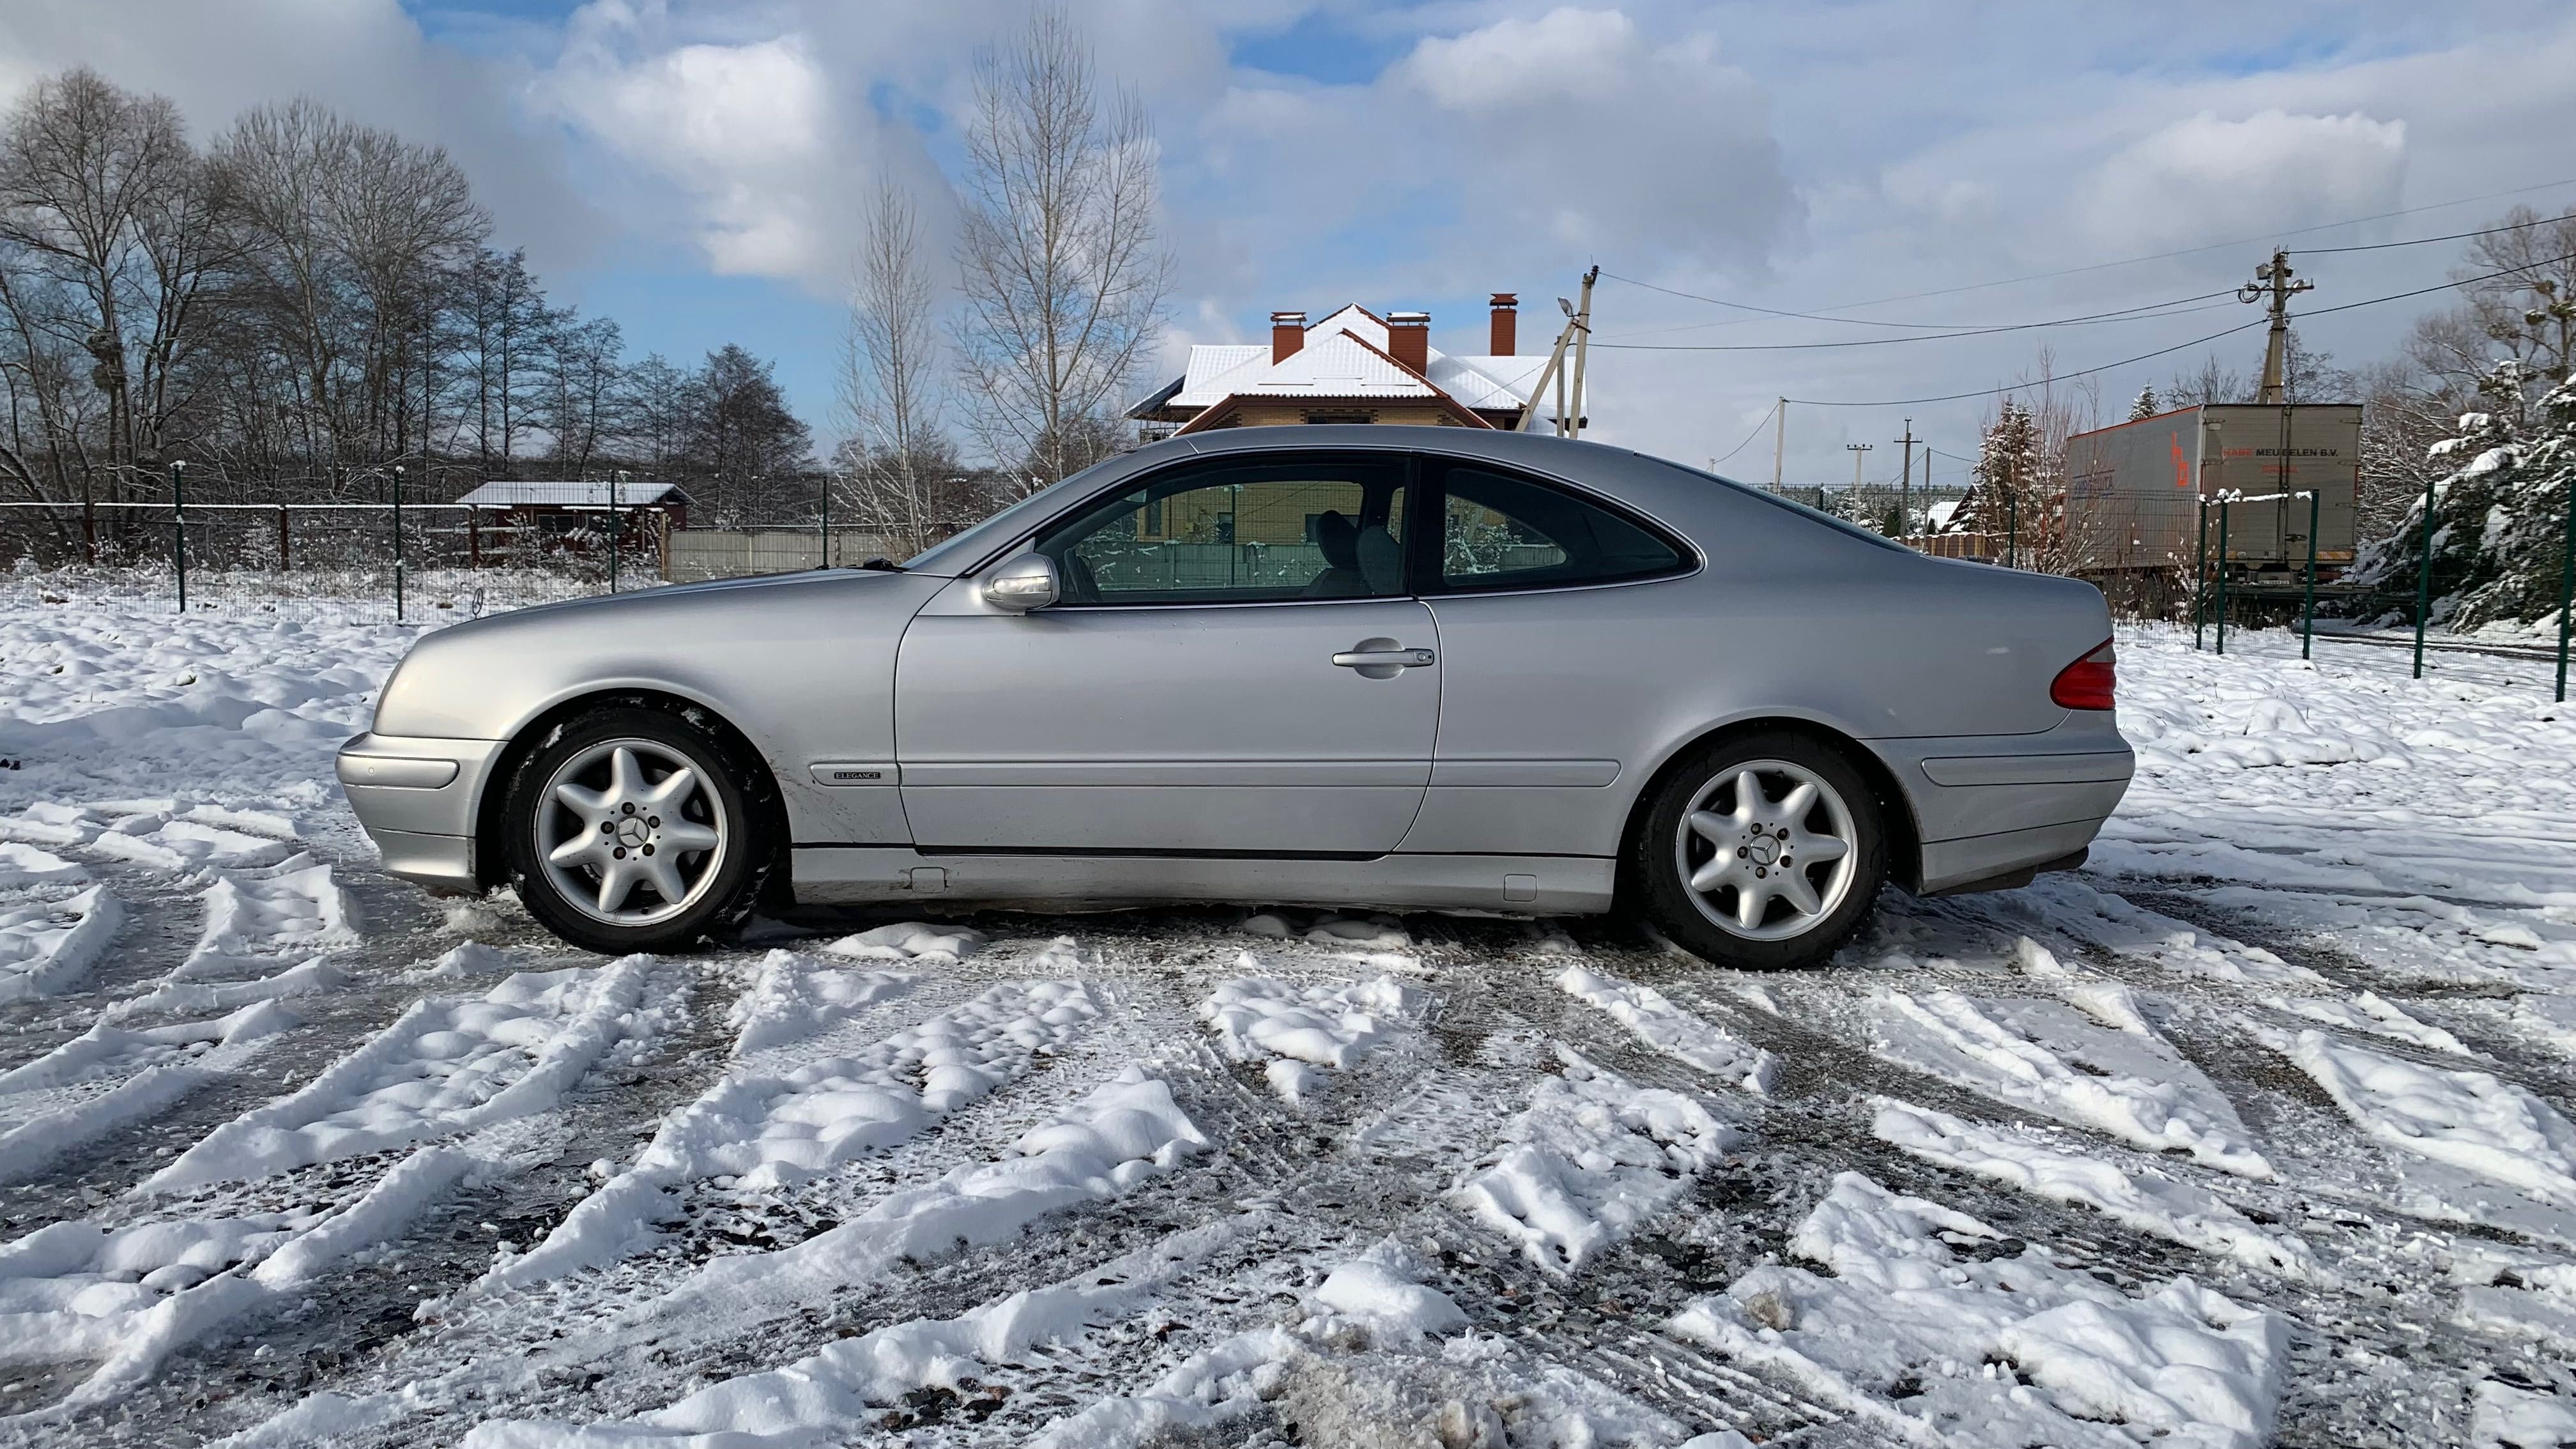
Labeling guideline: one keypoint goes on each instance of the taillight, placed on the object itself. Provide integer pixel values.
(2087, 683)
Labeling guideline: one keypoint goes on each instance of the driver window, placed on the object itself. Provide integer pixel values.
(1258, 533)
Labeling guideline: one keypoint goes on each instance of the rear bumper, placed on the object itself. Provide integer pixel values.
(1987, 809)
(418, 799)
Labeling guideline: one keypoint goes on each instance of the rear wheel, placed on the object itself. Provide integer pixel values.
(629, 831)
(1763, 852)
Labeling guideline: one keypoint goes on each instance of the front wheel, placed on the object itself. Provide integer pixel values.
(1762, 853)
(629, 831)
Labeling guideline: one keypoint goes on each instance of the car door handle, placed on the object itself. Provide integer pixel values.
(1383, 658)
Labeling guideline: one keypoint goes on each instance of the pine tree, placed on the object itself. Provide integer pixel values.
(2146, 406)
(2499, 516)
(2010, 474)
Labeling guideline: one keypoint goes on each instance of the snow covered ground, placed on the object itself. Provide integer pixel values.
(2258, 1130)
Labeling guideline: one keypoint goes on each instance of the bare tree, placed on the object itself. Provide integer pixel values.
(896, 463)
(342, 226)
(107, 220)
(1064, 279)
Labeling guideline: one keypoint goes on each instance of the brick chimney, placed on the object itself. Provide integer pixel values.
(1408, 339)
(1506, 323)
(1287, 334)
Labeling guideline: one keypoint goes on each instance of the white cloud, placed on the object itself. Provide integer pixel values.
(1580, 123)
(2202, 176)
(746, 132)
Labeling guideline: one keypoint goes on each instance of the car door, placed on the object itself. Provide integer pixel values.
(1235, 665)
(1560, 635)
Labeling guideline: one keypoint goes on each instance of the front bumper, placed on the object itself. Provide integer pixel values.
(418, 800)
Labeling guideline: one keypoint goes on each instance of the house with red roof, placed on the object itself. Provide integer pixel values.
(1354, 366)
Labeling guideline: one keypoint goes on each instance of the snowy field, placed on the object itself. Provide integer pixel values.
(2256, 1131)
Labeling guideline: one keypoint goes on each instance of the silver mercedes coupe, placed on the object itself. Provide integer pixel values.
(1412, 668)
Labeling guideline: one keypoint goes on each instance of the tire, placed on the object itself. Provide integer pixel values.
(574, 783)
(1788, 931)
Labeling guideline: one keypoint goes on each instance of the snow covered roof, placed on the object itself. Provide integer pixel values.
(1345, 356)
(630, 494)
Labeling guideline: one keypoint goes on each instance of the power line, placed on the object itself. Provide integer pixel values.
(2183, 252)
(2132, 314)
(2020, 386)
(2163, 351)
(1748, 437)
(1866, 321)
(2426, 240)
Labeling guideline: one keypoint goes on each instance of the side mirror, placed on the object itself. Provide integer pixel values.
(1025, 583)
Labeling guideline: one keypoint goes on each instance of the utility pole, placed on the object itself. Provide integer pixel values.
(2272, 281)
(1779, 443)
(1905, 481)
(1858, 451)
(1553, 372)
(1582, 348)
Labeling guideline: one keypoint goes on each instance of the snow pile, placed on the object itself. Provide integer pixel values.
(1380, 1294)
(2046, 1056)
(119, 697)
(468, 959)
(2245, 733)
(2475, 1121)
(762, 1130)
(2511, 1418)
(2537, 1305)
(795, 997)
(1120, 1135)
(1366, 933)
(1592, 1158)
(256, 921)
(1379, 1359)
(168, 839)
(2064, 902)
(48, 946)
(2149, 1200)
(445, 1067)
(1931, 1327)
(2372, 1013)
(909, 941)
(2548, 1018)
(107, 1077)
(1670, 1030)
(22, 866)
(134, 1294)
(1300, 1028)
(839, 1393)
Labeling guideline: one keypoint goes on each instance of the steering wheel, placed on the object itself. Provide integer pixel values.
(1080, 587)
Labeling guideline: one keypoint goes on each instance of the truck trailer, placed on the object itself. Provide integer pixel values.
(2135, 495)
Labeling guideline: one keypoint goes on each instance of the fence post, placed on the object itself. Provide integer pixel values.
(474, 536)
(179, 526)
(2308, 625)
(2200, 576)
(398, 549)
(285, 548)
(827, 518)
(2222, 575)
(2566, 585)
(2424, 581)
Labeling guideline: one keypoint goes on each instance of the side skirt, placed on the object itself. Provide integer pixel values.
(1519, 885)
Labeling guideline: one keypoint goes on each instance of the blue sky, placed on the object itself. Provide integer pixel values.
(695, 169)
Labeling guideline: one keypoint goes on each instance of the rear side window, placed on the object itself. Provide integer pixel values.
(1502, 531)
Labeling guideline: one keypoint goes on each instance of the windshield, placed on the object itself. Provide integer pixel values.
(960, 552)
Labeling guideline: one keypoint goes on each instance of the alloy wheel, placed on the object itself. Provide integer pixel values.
(630, 832)
(1767, 849)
